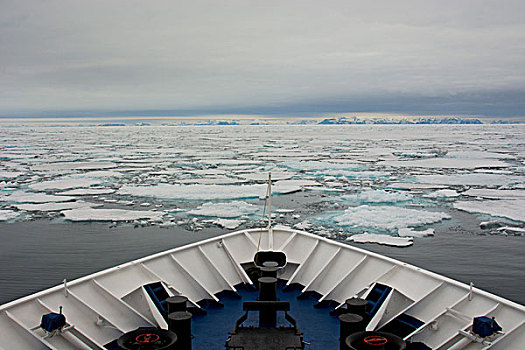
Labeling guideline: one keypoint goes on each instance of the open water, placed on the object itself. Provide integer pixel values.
(37, 255)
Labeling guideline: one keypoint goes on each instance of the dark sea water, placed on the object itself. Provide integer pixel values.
(40, 254)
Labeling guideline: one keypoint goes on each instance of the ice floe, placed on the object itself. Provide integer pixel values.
(212, 192)
(387, 217)
(263, 176)
(86, 192)
(447, 163)
(79, 165)
(6, 215)
(506, 208)
(377, 196)
(91, 214)
(322, 189)
(517, 231)
(495, 193)
(55, 206)
(445, 193)
(30, 197)
(65, 183)
(10, 174)
(232, 209)
(472, 179)
(381, 239)
(408, 232)
(229, 224)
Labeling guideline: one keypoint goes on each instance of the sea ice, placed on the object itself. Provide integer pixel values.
(487, 225)
(472, 179)
(64, 183)
(28, 197)
(10, 174)
(415, 186)
(284, 211)
(90, 214)
(377, 196)
(8, 214)
(445, 193)
(229, 224)
(408, 232)
(507, 208)
(304, 225)
(263, 176)
(232, 209)
(387, 217)
(73, 166)
(518, 231)
(313, 165)
(102, 174)
(447, 163)
(86, 192)
(55, 206)
(381, 239)
(352, 174)
(212, 192)
(495, 194)
(322, 189)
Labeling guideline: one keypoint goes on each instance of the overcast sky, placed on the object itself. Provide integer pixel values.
(414, 57)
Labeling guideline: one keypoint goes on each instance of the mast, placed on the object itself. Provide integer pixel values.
(269, 196)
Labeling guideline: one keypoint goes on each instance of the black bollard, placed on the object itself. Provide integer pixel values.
(179, 322)
(349, 324)
(357, 306)
(267, 288)
(176, 303)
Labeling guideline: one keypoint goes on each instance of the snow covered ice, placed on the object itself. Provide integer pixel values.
(395, 181)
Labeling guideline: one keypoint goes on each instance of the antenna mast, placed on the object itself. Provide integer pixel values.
(269, 196)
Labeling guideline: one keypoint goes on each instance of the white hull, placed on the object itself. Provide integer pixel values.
(102, 306)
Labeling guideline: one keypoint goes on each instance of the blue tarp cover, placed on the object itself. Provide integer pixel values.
(52, 321)
(485, 326)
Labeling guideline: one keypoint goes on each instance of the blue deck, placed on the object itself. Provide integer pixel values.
(319, 328)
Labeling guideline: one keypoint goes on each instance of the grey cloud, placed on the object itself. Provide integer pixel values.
(210, 55)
